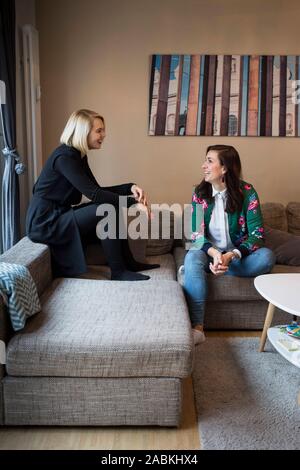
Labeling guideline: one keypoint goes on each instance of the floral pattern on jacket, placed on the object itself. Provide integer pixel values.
(245, 226)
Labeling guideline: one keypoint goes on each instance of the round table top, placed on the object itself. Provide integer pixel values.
(282, 290)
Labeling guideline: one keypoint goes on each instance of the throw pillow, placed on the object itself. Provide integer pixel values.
(284, 245)
(19, 293)
(274, 215)
(293, 217)
(159, 245)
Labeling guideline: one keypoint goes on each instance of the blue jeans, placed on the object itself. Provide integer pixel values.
(196, 267)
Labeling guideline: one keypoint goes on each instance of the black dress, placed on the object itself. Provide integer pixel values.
(50, 217)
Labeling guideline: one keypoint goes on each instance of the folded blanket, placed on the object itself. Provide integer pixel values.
(19, 293)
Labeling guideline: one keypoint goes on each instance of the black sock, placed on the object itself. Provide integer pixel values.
(137, 266)
(130, 261)
(128, 276)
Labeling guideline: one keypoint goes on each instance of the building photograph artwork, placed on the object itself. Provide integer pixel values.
(224, 95)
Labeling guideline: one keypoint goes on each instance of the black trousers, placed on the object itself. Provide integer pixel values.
(117, 252)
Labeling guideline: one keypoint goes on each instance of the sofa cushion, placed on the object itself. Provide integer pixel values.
(285, 246)
(166, 272)
(158, 247)
(293, 217)
(274, 215)
(230, 288)
(94, 253)
(222, 287)
(233, 288)
(89, 328)
(284, 268)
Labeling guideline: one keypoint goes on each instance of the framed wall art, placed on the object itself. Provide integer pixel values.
(224, 95)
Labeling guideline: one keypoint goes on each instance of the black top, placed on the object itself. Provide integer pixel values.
(50, 219)
(66, 176)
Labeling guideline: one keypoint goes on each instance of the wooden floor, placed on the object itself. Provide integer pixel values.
(115, 438)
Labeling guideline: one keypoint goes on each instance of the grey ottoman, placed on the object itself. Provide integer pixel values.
(101, 353)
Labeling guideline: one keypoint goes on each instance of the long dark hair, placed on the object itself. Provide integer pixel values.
(229, 158)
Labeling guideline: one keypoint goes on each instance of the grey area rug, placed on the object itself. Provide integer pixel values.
(245, 399)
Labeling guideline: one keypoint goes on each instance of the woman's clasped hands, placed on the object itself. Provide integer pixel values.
(220, 262)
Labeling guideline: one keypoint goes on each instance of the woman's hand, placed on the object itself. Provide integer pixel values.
(218, 267)
(227, 258)
(221, 263)
(139, 194)
(140, 197)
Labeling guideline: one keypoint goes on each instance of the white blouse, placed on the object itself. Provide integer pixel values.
(218, 230)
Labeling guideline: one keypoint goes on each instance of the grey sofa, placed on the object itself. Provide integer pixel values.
(109, 353)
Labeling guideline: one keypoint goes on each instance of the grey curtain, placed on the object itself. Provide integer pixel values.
(10, 210)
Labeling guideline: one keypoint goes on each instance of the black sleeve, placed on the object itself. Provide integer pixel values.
(73, 170)
(121, 189)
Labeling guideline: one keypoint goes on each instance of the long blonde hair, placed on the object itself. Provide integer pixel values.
(77, 129)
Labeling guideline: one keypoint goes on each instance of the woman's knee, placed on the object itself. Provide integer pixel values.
(267, 259)
(195, 259)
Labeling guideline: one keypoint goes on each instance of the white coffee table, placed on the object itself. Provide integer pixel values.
(282, 291)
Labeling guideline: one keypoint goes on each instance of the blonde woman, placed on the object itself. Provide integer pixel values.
(52, 217)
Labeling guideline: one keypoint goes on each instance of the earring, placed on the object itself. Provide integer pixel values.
(223, 179)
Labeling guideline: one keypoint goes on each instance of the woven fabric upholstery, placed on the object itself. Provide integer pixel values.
(160, 246)
(248, 315)
(109, 353)
(19, 292)
(92, 402)
(5, 332)
(105, 329)
(285, 246)
(166, 272)
(94, 253)
(232, 288)
(293, 217)
(36, 258)
(274, 215)
(179, 255)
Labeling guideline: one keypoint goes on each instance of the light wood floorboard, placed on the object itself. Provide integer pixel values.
(115, 438)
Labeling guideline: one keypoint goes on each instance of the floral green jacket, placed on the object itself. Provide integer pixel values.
(245, 227)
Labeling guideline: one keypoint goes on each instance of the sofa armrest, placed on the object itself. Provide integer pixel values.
(6, 332)
(179, 255)
(36, 257)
